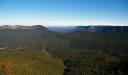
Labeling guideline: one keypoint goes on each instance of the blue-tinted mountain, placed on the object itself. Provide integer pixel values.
(101, 29)
(62, 29)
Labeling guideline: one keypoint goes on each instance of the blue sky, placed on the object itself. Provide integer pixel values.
(64, 12)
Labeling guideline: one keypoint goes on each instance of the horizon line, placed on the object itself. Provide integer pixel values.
(59, 25)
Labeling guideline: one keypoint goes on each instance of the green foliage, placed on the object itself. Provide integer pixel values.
(41, 63)
(89, 63)
(25, 52)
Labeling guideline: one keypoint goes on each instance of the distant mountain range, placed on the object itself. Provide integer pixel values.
(62, 29)
(68, 29)
(22, 27)
(90, 29)
(102, 28)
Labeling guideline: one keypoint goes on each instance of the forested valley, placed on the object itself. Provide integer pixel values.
(43, 52)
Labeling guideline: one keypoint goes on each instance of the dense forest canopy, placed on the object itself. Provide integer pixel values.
(43, 52)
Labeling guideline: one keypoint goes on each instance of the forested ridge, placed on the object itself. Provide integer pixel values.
(43, 52)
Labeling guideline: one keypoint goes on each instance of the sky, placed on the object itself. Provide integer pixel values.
(64, 12)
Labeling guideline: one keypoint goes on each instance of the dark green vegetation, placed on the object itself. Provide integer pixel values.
(43, 52)
(89, 63)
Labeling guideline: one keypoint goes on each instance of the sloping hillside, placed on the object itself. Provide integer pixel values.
(23, 63)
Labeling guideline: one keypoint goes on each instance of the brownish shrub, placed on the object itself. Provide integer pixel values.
(5, 67)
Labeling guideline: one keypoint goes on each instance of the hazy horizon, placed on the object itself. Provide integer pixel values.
(60, 25)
